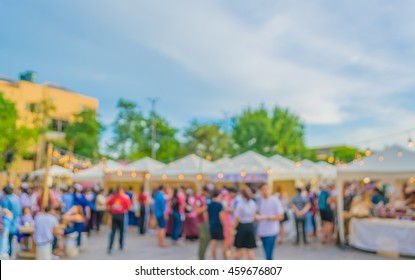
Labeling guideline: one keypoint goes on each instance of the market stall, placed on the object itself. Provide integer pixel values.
(392, 168)
(135, 174)
(190, 171)
(57, 175)
(97, 174)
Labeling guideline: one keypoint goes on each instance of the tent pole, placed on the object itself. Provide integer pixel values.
(46, 178)
(340, 209)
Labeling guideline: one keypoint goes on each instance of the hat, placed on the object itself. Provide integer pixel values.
(25, 186)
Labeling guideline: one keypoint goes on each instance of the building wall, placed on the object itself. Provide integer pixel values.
(67, 103)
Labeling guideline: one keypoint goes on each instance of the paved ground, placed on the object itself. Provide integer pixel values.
(144, 247)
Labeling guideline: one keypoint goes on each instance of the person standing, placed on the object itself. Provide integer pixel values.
(100, 208)
(244, 217)
(300, 205)
(202, 221)
(6, 218)
(143, 202)
(67, 199)
(312, 197)
(160, 214)
(25, 201)
(91, 197)
(285, 201)
(80, 199)
(327, 215)
(177, 220)
(216, 219)
(118, 205)
(12, 203)
(270, 213)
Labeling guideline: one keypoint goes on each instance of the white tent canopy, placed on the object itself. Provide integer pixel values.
(190, 165)
(145, 164)
(286, 169)
(394, 163)
(96, 173)
(54, 171)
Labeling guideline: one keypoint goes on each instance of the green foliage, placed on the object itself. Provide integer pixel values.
(13, 137)
(280, 132)
(214, 140)
(132, 135)
(346, 154)
(82, 135)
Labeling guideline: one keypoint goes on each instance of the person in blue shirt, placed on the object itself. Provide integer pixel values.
(67, 200)
(80, 199)
(12, 203)
(160, 213)
(6, 218)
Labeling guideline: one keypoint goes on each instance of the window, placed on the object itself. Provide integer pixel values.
(32, 107)
(59, 125)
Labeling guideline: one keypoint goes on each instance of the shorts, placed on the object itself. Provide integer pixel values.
(161, 222)
(327, 215)
(217, 234)
(245, 236)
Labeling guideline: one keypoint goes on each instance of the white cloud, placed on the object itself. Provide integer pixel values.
(288, 57)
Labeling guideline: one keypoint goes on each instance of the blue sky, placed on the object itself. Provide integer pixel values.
(346, 67)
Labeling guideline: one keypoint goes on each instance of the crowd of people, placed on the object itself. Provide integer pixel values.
(231, 220)
(237, 220)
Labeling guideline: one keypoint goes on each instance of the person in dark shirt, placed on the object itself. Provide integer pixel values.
(300, 205)
(215, 214)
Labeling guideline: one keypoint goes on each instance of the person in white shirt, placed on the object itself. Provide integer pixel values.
(244, 217)
(270, 213)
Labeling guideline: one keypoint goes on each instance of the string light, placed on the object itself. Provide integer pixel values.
(298, 163)
(220, 175)
(199, 177)
(119, 173)
(269, 171)
(164, 177)
(380, 158)
(400, 154)
(366, 180)
(181, 176)
(243, 174)
(147, 176)
(133, 174)
(331, 159)
(368, 152)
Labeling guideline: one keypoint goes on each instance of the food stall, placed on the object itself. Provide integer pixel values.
(390, 227)
(57, 175)
(190, 171)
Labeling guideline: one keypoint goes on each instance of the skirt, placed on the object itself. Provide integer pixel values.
(245, 236)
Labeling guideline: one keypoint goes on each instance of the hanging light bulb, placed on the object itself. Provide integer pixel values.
(410, 143)
(368, 152)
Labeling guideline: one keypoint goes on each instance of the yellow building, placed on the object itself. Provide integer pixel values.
(26, 95)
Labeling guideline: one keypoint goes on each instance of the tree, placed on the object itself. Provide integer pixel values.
(8, 119)
(13, 138)
(132, 135)
(281, 132)
(83, 133)
(168, 146)
(128, 128)
(288, 131)
(215, 140)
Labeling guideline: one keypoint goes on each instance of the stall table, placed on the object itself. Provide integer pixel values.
(383, 235)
